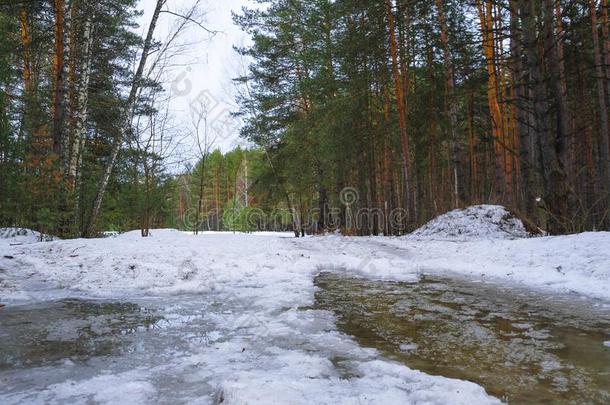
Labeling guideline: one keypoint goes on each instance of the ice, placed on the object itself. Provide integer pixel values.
(237, 317)
(239, 328)
(285, 357)
(407, 347)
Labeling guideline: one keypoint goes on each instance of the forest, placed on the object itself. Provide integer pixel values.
(367, 117)
(303, 202)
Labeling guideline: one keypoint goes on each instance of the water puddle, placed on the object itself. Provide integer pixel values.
(153, 341)
(34, 335)
(522, 346)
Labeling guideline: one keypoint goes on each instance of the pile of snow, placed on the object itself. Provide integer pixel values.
(476, 222)
(23, 235)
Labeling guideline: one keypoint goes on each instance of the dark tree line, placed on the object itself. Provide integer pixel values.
(429, 106)
(406, 106)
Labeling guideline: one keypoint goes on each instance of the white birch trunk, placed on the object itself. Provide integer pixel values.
(126, 121)
(80, 115)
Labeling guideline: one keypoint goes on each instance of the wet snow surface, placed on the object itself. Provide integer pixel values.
(222, 318)
(217, 347)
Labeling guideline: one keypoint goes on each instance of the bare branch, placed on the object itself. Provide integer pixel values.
(190, 19)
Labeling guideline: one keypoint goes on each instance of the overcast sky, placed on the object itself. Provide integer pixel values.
(207, 65)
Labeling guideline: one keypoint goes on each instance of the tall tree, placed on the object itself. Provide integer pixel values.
(399, 77)
(601, 82)
(126, 117)
(59, 77)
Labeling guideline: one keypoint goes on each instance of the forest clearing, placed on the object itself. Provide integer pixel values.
(304, 202)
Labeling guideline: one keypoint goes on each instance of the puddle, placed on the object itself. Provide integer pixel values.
(522, 346)
(33, 335)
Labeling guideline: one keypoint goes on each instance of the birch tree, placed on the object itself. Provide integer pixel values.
(164, 52)
(204, 139)
(125, 124)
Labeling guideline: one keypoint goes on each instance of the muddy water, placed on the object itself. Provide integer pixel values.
(522, 346)
(38, 334)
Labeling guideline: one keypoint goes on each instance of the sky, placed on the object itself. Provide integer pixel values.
(205, 69)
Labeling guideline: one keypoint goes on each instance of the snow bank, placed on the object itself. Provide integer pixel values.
(172, 262)
(153, 233)
(23, 235)
(476, 222)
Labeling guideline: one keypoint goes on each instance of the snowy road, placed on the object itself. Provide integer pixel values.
(237, 326)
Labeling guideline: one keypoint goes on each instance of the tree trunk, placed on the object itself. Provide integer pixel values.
(58, 107)
(25, 42)
(606, 41)
(68, 64)
(497, 118)
(604, 134)
(459, 191)
(386, 172)
(217, 197)
(82, 101)
(125, 120)
(323, 219)
(554, 47)
(402, 116)
(79, 121)
(554, 179)
(522, 108)
(145, 223)
(200, 199)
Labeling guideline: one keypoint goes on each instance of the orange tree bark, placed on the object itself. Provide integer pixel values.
(497, 119)
(58, 108)
(400, 100)
(25, 41)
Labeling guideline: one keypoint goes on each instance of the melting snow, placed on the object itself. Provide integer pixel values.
(261, 347)
(476, 222)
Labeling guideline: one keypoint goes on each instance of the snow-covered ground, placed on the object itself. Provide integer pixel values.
(17, 236)
(265, 348)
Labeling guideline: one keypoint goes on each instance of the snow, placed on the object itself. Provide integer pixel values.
(257, 343)
(476, 222)
(108, 389)
(22, 235)
(408, 347)
(383, 383)
(250, 290)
